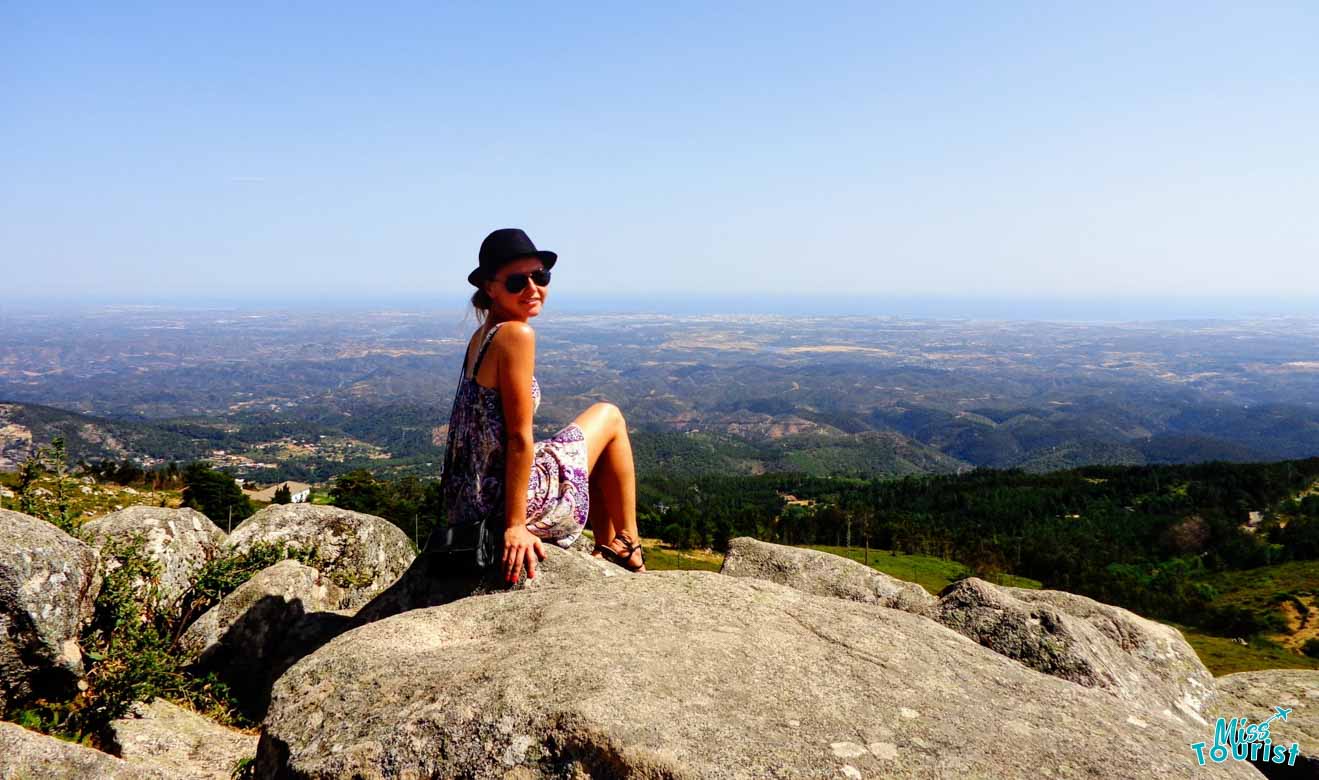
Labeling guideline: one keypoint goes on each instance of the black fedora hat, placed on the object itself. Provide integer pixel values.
(502, 246)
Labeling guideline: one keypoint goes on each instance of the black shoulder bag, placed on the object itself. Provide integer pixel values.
(462, 545)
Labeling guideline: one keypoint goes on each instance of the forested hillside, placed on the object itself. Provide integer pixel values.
(1155, 539)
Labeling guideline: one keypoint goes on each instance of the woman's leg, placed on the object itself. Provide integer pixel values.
(612, 476)
(597, 514)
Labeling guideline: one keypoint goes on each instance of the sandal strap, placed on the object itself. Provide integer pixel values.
(624, 559)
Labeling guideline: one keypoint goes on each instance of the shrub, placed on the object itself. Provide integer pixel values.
(130, 649)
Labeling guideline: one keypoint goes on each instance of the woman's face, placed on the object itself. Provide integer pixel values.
(519, 305)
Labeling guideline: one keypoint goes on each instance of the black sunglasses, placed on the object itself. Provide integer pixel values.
(516, 283)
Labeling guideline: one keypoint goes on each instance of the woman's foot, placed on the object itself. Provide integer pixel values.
(623, 552)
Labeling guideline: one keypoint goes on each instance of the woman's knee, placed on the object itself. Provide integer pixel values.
(610, 411)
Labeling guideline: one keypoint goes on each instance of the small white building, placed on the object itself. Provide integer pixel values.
(299, 492)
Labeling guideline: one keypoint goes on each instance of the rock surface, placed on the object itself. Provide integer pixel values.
(362, 553)
(694, 675)
(427, 583)
(48, 587)
(28, 755)
(823, 574)
(180, 540)
(173, 739)
(1255, 694)
(240, 637)
(1096, 645)
(244, 622)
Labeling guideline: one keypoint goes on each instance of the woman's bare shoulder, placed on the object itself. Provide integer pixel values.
(515, 338)
(521, 329)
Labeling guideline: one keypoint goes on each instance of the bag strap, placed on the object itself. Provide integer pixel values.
(480, 355)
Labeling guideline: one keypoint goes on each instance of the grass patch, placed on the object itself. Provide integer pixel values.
(668, 559)
(933, 574)
(1225, 656)
(1255, 589)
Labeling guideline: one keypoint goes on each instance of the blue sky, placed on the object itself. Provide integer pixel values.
(960, 150)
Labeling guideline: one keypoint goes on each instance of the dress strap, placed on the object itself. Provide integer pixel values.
(480, 355)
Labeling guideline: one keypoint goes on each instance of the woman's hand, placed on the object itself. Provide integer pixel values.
(519, 546)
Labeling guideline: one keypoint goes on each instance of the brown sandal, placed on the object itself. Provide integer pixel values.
(623, 559)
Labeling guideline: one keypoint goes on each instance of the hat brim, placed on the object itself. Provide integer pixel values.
(546, 257)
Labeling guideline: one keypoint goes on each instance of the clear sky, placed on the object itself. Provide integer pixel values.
(928, 148)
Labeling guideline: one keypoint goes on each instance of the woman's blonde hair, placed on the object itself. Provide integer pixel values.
(481, 304)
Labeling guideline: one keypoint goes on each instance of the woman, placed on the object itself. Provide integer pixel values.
(584, 473)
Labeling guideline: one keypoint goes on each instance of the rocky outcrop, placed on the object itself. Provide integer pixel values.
(48, 587)
(362, 553)
(167, 737)
(1096, 645)
(1057, 633)
(823, 574)
(428, 582)
(1254, 695)
(180, 540)
(695, 675)
(28, 755)
(240, 637)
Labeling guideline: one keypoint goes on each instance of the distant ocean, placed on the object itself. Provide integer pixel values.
(1146, 308)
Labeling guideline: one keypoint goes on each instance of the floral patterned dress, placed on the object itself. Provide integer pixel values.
(557, 494)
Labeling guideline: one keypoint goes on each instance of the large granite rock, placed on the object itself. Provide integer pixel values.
(48, 587)
(245, 621)
(1144, 663)
(1078, 639)
(695, 675)
(240, 637)
(29, 755)
(823, 574)
(362, 553)
(180, 540)
(1255, 694)
(167, 737)
(427, 583)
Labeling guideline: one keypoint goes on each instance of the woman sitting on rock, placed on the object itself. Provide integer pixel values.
(584, 473)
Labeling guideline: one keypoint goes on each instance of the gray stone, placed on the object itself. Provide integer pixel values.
(244, 622)
(48, 587)
(1144, 663)
(29, 755)
(1254, 695)
(168, 737)
(428, 583)
(362, 553)
(823, 574)
(694, 675)
(303, 636)
(180, 540)
(240, 637)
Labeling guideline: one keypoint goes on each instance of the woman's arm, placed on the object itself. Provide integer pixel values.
(517, 362)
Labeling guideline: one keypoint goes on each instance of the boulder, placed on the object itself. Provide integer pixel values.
(1144, 663)
(180, 540)
(29, 755)
(361, 553)
(240, 637)
(428, 582)
(694, 675)
(823, 574)
(1254, 695)
(48, 587)
(304, 636)
(168, 737)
